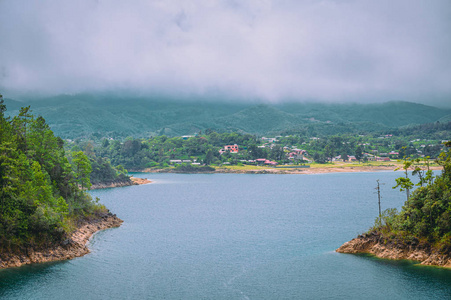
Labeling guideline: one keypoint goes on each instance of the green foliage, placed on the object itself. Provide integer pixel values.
(387, 220)
(404, 183)
(79, 116)
(426, 215)
(185, 168)
(103, 172)
(82, 168)
(39, 186)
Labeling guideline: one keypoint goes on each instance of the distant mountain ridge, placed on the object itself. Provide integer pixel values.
(83, 115)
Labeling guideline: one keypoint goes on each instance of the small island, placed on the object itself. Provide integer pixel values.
(421, 231)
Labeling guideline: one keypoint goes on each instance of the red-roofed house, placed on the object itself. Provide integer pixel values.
(230, 148)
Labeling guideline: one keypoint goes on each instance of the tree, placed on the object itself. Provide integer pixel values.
(444, 159)
(277, 153)
(255, 152)
(345, 156)
(328, 152)
(404, 183)
(424, 175)
(319, 158)
(82, 168)
(37, 183)
(359, 153)
(209, 157)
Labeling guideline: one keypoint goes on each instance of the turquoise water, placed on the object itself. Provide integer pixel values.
(234, 236)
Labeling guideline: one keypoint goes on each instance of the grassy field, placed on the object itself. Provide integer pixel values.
(331, 166)
(356, 164)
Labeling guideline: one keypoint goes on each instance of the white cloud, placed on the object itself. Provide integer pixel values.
(327, 50)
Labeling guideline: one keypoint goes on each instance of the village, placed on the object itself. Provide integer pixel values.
(234, 154)
(233, 149)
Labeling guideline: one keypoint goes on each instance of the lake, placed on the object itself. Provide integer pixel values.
(235, 236)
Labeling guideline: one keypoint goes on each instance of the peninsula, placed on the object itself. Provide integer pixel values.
(46, 212)
(75, 245)
(421, 231)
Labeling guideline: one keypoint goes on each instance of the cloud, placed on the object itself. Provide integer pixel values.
(329, 50)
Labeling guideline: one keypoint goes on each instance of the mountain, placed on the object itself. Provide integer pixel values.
(75, 116)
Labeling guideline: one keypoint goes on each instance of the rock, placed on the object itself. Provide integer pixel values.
(392, 249)
(67, 242)
(74, 246)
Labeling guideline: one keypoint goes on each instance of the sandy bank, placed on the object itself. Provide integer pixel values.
(392, 249)
(132, 181)
(138, 181)
(281, 170)
(75, 246)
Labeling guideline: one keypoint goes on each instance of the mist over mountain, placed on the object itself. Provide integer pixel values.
(329, 51)
(79, 116)
(151, 67)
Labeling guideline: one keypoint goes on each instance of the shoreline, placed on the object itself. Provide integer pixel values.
(301, 171)
(140, 181)
(74, 246)
(380, 247)
(133, 181)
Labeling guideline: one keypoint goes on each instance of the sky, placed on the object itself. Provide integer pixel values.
(281, 50)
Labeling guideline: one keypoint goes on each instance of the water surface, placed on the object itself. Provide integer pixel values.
(235, 236)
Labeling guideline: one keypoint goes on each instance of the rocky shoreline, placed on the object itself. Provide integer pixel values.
(75, 246)
(375, 244)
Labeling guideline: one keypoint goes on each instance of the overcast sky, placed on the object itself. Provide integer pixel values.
(331, 50)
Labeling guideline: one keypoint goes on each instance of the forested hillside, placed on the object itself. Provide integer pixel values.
(43, 192)
(119, 116)
(425, 217)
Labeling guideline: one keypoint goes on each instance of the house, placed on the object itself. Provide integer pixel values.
(269, 140)
(260, 161)
(370, 157)
(393, 153)
(382, 158)
(337, 158)
(230, 148)
(297, 154)
(299, 151)
(269, 162)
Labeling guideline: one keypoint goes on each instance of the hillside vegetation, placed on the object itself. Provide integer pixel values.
(119, 116)
(426, 215)
(43, 192)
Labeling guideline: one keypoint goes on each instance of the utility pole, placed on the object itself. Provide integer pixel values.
(378, 188)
